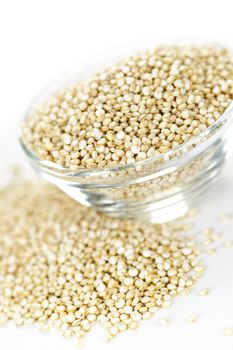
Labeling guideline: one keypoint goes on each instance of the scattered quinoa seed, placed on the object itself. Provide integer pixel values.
(228, 244)
(211, 251)
(228, 331)
(208, 231)
(225, 218)
(192, 318)
(44, 328)
(164, 321)
(204, 292)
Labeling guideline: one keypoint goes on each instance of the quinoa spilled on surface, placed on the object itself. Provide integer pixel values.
(67, 265)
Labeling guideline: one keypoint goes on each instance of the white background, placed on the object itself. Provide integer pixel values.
(38, 39)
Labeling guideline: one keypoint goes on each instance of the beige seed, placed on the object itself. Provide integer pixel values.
(225, 218)
(208, 231)
(113, 331)
(166, 304)
(147, 315)
(127, 309)
(136, 316)
(128, 281)
(192, 318)
(82, 144)
(78, 277)
(187, 251)
(164, 321)
(228, 244)
(120, 135)
(120, 303)
(70, 318)
(204, 292)
(67, 140)
(133, 272)
(133, 325)
(211, 251)
(3, 319)
(199, 268)
(67, 333)
(44, 328)
(228, 331)
(101, 288)
(122, 327)
(19, 322)
(38, 313)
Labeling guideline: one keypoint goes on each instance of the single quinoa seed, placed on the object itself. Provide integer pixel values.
(204, 292)
(70, 266)
(144, 105)
(228, 331)
(228, 244)
(192, 318)
(225, 218)
(164, 321)
(211, 251)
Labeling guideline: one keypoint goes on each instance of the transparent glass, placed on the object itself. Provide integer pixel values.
(158, 189)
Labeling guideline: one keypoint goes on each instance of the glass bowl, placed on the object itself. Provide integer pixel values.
(158, 189)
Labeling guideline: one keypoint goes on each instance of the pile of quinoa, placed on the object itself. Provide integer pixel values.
(67, 265)
(142, 106)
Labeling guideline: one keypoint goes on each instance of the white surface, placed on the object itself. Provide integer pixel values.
(39, 39)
